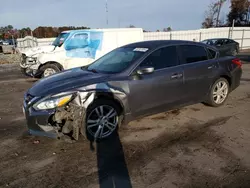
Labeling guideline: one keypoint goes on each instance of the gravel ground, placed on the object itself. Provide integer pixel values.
(10, 58)
(196, 146)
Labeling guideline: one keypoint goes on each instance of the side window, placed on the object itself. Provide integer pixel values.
(225, 41)
(205, 42)
(162, 58)
(79, 40)
(231, 41)
(210, 42)
(211, 53)
(192, 53)
(220, 42)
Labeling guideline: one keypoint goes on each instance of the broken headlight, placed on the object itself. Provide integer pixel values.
(31, 59)
(53, 102)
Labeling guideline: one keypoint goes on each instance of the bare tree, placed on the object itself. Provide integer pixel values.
(168, 29)
(131, 26)
(212, 15)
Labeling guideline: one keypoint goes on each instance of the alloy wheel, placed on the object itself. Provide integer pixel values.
(102, 121)
(48, 72)
(220, 92)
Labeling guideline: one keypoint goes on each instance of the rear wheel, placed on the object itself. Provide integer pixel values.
(102, 119)
(49, 69)
(218, 93)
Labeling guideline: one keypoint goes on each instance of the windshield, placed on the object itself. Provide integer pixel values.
(60, 39)
(117, 60)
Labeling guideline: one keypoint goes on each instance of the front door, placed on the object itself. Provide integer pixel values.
(158, 91)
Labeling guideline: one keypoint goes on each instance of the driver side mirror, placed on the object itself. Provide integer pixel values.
(145, 70)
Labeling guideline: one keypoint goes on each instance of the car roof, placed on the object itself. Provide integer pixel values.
(159, 43)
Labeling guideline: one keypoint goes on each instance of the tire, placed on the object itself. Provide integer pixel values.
(23, 71)
(49, 67)
(92, 115)
(212, 100)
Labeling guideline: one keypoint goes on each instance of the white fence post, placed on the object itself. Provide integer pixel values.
(242, 39)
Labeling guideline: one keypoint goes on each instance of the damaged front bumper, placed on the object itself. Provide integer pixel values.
(38, 122)
(67, 121)
(30, 66)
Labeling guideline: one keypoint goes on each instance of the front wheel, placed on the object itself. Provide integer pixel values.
(23, 71)
(218, 93)
(102, 119)
(49, 69)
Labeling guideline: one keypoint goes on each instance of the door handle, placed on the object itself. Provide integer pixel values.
(211, 67)
(175, 76)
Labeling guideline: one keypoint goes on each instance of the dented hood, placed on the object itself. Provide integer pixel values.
(66, 81)
(37, 50)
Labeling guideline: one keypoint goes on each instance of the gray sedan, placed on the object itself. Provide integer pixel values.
(128, 83)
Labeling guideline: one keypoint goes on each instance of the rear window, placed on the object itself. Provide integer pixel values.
(192, 53)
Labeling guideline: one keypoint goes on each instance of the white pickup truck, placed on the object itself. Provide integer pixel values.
(75, 48)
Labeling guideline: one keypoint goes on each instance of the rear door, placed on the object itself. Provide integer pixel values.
(199, 69)
(160, 90)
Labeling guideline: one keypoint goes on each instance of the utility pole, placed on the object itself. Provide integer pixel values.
(107, 18)
(231, 33)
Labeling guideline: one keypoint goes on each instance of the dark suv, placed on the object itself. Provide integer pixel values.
(130, 82)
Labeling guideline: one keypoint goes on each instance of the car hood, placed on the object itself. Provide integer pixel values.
(66, 81)
(37, 50)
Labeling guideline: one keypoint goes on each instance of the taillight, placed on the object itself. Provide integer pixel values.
(237, 62)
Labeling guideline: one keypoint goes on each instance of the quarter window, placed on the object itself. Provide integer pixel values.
(211, 53)
(162, 58)
(192, 53)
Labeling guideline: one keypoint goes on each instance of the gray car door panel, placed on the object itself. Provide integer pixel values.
(160, 90)
(156, 92)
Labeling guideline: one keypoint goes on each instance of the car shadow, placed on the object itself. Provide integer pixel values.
(112, 168)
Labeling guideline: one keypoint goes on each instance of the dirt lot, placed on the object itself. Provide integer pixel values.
(196, 146)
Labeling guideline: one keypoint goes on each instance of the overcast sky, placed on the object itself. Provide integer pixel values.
(148, 14)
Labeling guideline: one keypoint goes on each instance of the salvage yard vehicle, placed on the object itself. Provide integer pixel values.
(224, 45)
(128, 83)
(74, 49)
